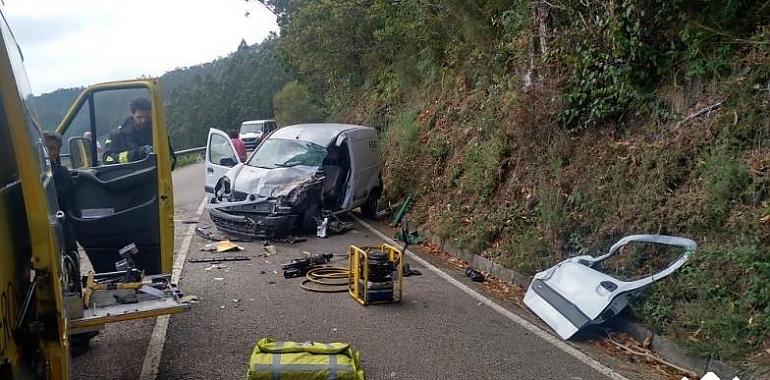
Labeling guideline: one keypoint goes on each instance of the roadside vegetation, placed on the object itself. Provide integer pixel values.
(532, 131)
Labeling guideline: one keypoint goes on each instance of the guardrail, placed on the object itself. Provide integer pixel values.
(182, 152)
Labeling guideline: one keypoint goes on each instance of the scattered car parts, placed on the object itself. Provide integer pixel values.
(575, 294)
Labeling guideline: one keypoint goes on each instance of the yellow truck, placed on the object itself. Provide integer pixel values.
(121, 214)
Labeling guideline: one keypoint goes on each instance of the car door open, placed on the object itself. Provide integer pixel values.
(220, 157)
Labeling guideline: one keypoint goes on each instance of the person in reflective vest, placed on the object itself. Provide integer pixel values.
(132, 141)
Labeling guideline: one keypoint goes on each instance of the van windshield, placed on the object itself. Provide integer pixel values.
(251, 128)
(282, 153)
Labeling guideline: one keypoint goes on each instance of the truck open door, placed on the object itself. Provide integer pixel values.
(124, 197)
(120, 164)
(220, 157)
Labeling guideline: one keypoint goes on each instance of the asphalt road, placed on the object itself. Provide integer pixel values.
(438, 331)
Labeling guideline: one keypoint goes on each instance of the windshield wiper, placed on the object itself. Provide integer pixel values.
(287, 165)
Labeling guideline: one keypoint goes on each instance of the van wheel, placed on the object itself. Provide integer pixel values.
(370, 207)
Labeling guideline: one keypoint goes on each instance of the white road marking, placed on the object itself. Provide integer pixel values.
(158, 339)
(574, 352)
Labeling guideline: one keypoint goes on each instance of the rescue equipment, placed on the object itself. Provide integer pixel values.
(376, 274)
(272, 360)
(574, 294)
(299, 267)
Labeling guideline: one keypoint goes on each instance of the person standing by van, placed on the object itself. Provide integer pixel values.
(240, 146)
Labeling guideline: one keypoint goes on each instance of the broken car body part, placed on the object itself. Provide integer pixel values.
(575, 294)
(298, 173)
(227, 246)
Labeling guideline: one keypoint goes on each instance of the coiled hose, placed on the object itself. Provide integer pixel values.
(326, 280)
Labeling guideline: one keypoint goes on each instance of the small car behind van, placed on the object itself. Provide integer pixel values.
(253, 131)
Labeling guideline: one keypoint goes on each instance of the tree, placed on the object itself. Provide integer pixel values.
(294, 105)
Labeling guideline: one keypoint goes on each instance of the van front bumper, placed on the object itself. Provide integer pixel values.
(259, 226)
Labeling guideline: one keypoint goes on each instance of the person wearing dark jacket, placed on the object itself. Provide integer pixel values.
(63, 183)
(132, 141)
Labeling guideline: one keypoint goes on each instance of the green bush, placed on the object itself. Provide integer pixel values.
(719, 303)
(725, 180)
(294, 105)
(481, 163)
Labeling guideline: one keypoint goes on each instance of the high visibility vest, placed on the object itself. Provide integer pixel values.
(273, 360)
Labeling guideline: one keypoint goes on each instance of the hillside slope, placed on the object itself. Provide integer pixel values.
(533, 131)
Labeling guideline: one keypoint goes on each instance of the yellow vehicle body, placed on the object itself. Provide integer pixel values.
(34, 319)
(30, 255)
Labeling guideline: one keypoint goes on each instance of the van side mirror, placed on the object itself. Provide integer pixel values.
(227, 161)
(80, 152)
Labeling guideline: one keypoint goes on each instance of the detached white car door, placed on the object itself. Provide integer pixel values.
(220, 157)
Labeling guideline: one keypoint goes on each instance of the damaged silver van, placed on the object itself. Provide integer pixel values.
(296, 175)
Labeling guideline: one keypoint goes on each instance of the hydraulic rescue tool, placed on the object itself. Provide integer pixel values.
(299, 267)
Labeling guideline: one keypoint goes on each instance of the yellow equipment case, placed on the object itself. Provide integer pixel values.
(273, 360)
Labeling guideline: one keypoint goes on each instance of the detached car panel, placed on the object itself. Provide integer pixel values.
(297, 173)
(574, 294)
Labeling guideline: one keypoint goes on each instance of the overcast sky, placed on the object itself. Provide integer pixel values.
(69, 43)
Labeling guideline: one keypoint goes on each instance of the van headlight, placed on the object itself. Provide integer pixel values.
(223, 189)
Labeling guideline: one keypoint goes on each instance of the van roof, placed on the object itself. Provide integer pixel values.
(256, 121)
(321, 134)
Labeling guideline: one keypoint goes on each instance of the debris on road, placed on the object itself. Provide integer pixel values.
(288, 240)
(332, 225)
(310, 360)
(215, 266)
(219, 259)
(269, 250)
(573, 294)
(474, 275)
(219, 278)
(408, 271)
(227, 246)
(208, 233)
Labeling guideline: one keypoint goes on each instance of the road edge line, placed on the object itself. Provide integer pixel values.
(154, 351)
(572, 351)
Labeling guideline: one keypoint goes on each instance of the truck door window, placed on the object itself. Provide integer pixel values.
(104, 129)
(78, 128)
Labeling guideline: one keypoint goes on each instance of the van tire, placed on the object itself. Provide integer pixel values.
(370, 207)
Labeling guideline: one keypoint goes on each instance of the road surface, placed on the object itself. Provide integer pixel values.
(439, 331)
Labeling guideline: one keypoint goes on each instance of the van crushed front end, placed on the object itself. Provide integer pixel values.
(268, 211)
